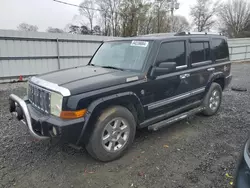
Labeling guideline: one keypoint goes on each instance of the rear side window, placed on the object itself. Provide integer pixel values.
(173, 52)
(200, 52)
(220, 49)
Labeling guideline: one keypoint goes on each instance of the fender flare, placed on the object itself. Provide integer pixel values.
(213, 77)
(91, 108)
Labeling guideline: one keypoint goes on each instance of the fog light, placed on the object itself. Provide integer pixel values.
(54, 131)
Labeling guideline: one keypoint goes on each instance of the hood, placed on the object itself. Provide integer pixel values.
(88, 78)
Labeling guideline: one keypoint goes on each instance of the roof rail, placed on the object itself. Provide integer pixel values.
(157, 34)
(197, 33)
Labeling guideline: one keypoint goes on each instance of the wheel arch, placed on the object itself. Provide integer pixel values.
(128, 100)
(217, 77)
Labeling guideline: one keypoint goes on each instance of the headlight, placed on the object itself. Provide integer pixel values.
(56, 104)
(27, 89)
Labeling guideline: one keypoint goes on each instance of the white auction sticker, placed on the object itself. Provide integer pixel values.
(139, 43)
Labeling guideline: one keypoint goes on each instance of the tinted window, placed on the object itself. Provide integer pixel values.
(220, 49)
(200, 52)
(173, 52)
(207, 51)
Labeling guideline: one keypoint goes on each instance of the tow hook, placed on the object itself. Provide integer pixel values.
(16, 110)
(12, 106)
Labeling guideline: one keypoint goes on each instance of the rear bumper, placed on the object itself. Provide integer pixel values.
(42, 126)
(242, 179)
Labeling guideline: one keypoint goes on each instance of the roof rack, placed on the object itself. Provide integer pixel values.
(157, 34)
(197, 33)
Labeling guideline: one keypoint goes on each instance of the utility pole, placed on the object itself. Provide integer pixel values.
(160, 3)
(158, 21)
(172, 16)
(174, 5)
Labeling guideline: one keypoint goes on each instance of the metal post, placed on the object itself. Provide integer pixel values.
(158, 29)
(246, 52)
(172, 15)
(231, 52)
(58, 54)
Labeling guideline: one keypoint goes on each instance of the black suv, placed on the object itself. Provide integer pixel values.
(130, 83)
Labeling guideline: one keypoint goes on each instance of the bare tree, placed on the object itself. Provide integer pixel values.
(97, 30)
(180, 23)
(130, 17)
(75, 29)
(132, 14)
(87, 10)
(114, 6)
(27, 27)
(161, 6)
(235, 18)
(111, 12)
(203, 13)
(54, 30)
(104, 17)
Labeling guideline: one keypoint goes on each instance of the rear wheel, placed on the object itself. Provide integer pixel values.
(212, 100)
(113, 134)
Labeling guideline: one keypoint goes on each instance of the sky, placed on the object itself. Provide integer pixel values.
(46, 13)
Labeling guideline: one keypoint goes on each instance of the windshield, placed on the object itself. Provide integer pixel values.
(128, 55)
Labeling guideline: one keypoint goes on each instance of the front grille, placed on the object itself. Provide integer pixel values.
(39, 97)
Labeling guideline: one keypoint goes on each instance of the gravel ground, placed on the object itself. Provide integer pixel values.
(194, 153)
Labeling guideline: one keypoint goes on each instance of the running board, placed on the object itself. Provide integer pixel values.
(174, 119)
(169, 114)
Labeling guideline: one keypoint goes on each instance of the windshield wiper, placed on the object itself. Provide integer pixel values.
(111, 67)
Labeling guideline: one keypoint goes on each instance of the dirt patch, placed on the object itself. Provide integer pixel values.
(199, 154)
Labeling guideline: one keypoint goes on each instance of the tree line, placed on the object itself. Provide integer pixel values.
(139, 17)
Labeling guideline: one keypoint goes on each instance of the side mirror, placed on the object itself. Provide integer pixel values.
(163, 68)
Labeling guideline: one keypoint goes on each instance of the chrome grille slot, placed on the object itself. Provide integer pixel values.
(39, 97)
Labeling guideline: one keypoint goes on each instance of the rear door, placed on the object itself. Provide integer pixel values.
(200, 60)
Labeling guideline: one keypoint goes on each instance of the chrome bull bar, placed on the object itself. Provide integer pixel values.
(17, 101)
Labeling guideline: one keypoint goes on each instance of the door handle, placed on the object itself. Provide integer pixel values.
(211, 69)
(183, 76)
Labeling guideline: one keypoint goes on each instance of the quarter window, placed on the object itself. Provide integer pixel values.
(173, 52)
(200, 52)
(220, 49)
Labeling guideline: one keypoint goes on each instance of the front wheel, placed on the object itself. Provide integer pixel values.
(212, 100)
(113, 134)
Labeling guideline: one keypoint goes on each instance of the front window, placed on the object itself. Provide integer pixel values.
(125, 55)
(173, 52)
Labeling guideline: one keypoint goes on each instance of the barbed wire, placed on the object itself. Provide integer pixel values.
(95, 9)
(70, 4)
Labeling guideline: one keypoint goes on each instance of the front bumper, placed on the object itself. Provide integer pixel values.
(43, 126)
(242, 179)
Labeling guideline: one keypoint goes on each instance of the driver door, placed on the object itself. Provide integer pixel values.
(168, 92)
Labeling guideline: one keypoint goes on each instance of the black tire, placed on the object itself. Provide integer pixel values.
(95, 145)
(209, 111)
